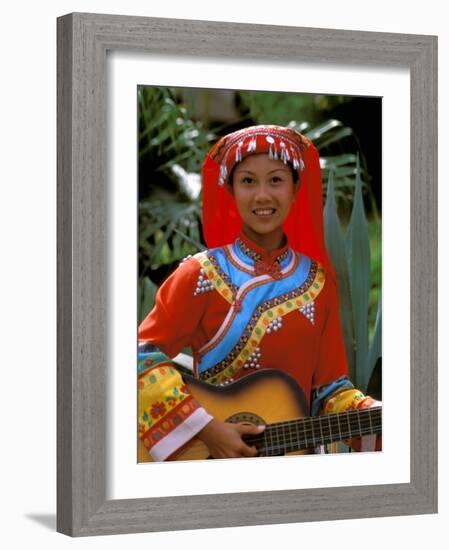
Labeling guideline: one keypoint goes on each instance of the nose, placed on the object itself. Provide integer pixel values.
(262, 193)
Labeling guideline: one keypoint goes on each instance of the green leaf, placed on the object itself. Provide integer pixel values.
(375, 351)
(337, 136)
(193, 242)
(336, 247)
(148, 293)
(358, 254)
(338, 160)
(322, 129)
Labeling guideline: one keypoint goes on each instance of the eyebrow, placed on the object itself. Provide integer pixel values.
(270, 172)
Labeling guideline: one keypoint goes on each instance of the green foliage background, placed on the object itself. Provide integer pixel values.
(173, 141)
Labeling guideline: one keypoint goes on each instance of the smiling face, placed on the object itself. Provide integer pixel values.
(263, 190)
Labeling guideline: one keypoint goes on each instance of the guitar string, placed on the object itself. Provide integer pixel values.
(279, 429)
(296, 437)
(299, 442)
(332, 425)
(373, 411)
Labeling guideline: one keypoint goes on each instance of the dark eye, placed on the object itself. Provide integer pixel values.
(247, 179)
(276, 179)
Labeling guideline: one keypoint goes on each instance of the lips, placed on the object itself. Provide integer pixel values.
(264, 211)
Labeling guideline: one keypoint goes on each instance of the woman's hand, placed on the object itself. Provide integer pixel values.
(224, 440)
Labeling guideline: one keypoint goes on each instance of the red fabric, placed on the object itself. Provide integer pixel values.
(304, 225)
(313, 354)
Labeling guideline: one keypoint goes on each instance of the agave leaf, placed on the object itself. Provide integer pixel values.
(147, 292)
(358, 254)
(336, 248)
(375, 351)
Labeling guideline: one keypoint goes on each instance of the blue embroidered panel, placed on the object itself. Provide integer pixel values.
(267, 291)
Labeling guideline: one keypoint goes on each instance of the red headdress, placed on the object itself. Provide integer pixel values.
(304, 224)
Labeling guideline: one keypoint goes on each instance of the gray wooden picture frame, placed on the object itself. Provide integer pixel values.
(83, 41)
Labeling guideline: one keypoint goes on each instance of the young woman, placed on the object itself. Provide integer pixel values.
(263, 296)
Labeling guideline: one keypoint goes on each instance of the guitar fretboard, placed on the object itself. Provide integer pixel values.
(307, 433)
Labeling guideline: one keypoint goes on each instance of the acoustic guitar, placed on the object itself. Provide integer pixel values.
(274, 399)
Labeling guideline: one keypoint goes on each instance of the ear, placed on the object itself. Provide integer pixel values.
(229, 189)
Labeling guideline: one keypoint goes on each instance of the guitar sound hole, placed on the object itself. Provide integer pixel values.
(246, 418)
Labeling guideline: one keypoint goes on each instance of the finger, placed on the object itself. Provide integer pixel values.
(249, 451)
(251, 429)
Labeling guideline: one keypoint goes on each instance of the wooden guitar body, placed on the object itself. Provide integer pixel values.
(273, 398)
(265, 397)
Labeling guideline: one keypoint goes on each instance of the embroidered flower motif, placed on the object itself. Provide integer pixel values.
(158, 409)
(171, 401)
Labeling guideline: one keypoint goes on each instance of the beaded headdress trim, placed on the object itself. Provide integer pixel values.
(280, 144)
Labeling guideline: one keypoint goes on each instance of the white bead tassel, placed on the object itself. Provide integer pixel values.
(252, 144)
(223, 174)
(270, 140)
(284, 152)
(238, 152)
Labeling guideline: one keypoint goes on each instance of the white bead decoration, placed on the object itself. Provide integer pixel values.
(253, 361)
(274, 325)
(203, 284)
(309, 311)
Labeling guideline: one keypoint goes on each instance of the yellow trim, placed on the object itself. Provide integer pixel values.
(260, 329)
(211, 273)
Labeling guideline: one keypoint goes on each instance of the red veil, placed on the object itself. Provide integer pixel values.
(304, 224)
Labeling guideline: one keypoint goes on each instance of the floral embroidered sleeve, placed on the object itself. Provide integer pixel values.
(341, 396)
(169, 416)
(333, 392)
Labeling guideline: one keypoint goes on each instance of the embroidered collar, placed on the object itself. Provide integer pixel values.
(264, 262)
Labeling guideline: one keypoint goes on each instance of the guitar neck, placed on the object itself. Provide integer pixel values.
(307, 433)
